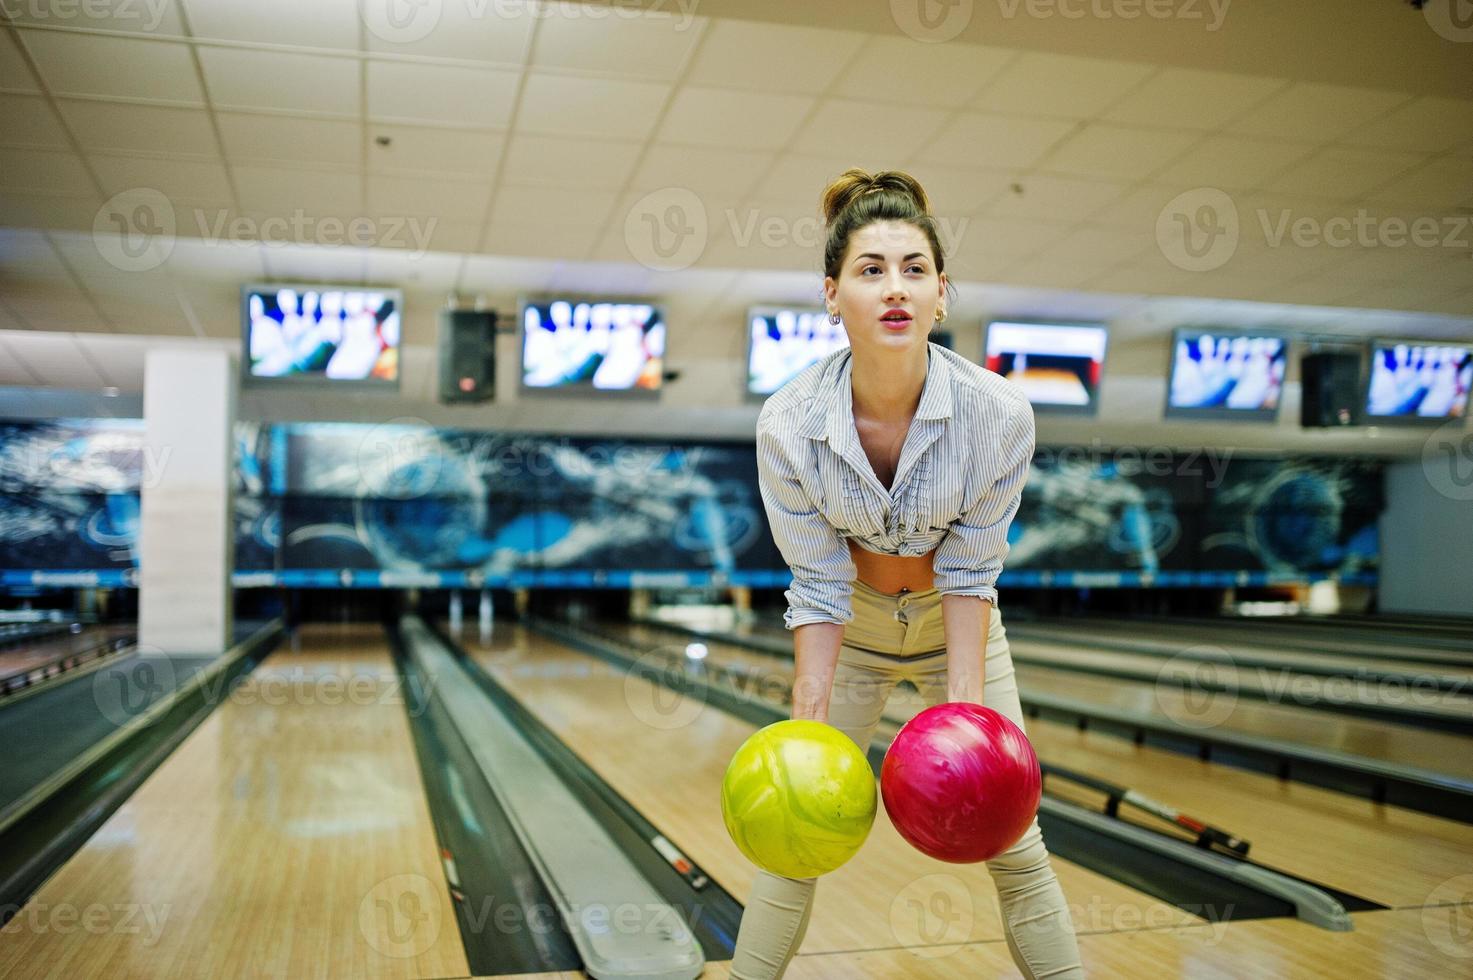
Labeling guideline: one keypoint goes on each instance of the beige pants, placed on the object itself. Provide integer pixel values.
(894, 638)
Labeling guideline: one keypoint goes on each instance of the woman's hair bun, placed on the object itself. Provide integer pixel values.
(855, 183)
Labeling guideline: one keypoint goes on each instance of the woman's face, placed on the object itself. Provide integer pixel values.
(888, 267)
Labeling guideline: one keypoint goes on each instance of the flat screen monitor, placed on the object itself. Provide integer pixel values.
(1418, 381)
(1058, 365)
(314, 334)
(581, 346)
(782, 341)
(1219, 374)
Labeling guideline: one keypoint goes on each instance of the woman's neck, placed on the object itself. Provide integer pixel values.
(887, 387)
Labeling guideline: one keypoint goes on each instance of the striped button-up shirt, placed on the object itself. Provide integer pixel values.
(957, 485)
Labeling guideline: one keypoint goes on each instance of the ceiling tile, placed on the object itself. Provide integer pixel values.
(415, 93)
(1442, 184)
(1055, 198)
(498, 32)
(800, 179)
(140, 128)
(901, 69)
(867, 130)
(181, 181)
(1039, 84)
(1429, 125)
(28, 255)
(997, 142)
(15, 75)
(566, 160)
(29, 210)
(742, 120)
(647, 46)
(524, 205)
(43, 171)
(278, 191)
(115, 67)
(254, 138)
(427, 149)
(29, 121)
(1101, 150)
(1337, 172)
(548, 241)
(442, 199)
(54, 307)
(278, 81)
(752, 56)
(319, 24)
(1312, 112)
(725, 173)
(559, 105)
(959, 190)
(1232, 162)
(1189, 99)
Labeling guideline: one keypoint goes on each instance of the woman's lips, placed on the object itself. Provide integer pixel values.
(897, 323)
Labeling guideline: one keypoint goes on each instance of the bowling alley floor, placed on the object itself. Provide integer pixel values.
(279, 838)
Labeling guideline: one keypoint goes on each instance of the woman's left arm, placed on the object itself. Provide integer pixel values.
(965, 618)
(971, 556)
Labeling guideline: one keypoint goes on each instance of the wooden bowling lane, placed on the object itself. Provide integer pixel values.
(288, 836)
(1388, 854)
(667, 755)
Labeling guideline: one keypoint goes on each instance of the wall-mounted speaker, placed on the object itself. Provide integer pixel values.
(467, 356)
(1331, 388)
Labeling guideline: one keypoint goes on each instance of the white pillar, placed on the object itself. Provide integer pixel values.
(186, 544)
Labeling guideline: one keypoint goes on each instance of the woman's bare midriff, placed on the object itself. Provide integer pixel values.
(892, 573)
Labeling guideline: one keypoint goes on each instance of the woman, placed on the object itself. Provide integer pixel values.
(890, 472)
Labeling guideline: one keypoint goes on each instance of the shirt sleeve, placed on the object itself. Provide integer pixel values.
(823, 570)
(971, 556)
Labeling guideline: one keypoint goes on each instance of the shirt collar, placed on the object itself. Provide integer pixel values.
(831, 414)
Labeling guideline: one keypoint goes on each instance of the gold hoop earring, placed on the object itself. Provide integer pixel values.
(940, 315)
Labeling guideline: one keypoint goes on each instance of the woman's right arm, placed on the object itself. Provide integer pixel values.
(823, 575)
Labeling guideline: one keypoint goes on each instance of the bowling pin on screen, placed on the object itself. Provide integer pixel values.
(781, 342)
(1058, 365)
(1226, 375)
(326, 334)
(1412, 381)
(576, 345)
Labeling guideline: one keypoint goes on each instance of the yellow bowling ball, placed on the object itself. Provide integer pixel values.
(798, 798)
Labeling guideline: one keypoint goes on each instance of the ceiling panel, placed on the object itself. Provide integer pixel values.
(242, 78)
(111, 126)
(114, 67)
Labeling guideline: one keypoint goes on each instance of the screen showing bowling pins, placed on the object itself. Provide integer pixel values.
(782, 341)
(322, 333)
(1225, 374)
(1058, 365)
(573, 344)
(1419, 381)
